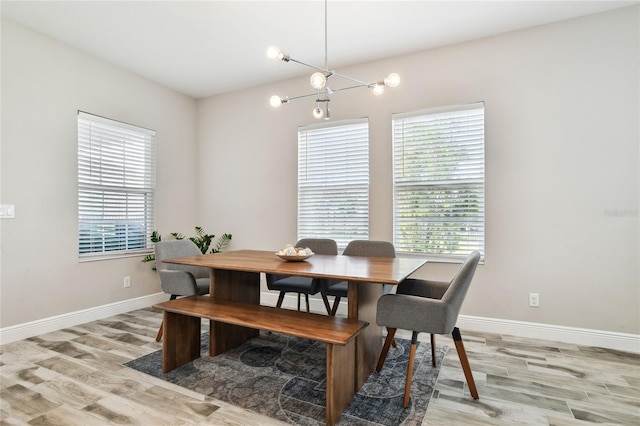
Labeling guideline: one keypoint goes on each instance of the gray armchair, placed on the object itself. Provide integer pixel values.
(304, 285)
(366, 248)
(430, 307)
(180, 280)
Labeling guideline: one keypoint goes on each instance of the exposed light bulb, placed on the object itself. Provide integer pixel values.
(392, 80)
(318, 113)
(274, 53)
(378, 89)
(318, 80)
(275, 101)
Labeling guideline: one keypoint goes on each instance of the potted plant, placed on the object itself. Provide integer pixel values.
(201, 239)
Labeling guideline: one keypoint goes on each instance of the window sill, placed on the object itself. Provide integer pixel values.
(112, 256)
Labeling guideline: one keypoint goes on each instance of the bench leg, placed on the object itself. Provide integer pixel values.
(159, 335)
(181, 343)
(340, 379)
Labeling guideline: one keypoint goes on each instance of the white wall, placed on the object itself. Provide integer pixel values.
(562, 155)
(44, 84)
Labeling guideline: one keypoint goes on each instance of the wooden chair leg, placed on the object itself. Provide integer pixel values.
(298, 301)
(327, 306)
(159, 336)
(433, 349)
(306, 300)
(464, 361)
(336, 303)
(385, 348)
(412, 357)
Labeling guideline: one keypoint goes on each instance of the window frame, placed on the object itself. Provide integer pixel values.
(116, 172)
(349, 137)
(412, 186)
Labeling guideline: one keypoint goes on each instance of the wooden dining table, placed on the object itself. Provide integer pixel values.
(235, 276)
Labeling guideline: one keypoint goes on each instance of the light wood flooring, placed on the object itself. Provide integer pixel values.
(75, 377)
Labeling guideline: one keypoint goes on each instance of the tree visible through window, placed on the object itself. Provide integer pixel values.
(333, 181)
(116, 184)
(439, 181)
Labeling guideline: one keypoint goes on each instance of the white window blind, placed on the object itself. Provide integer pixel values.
(439, 181)
(333, 181)
(116, 184)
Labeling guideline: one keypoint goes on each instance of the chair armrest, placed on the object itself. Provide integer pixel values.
(179, 283)
(415, 313)
(424, 288)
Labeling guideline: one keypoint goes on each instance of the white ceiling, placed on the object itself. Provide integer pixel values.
(203, 48)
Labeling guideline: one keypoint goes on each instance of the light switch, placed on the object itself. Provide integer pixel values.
(7, 211)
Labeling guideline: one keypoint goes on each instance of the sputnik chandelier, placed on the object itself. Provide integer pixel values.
(319, 80)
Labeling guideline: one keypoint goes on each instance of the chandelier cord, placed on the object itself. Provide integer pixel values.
(326, 60)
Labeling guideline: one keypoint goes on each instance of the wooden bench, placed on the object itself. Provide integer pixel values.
(181, 342)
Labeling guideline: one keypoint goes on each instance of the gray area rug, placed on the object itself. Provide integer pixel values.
(284, 378)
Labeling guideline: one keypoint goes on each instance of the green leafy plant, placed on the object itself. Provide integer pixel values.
(201, 239)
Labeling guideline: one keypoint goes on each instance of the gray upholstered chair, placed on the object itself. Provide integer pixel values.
(366, 248)
(303, 285)
(180, 280)
(430, 307)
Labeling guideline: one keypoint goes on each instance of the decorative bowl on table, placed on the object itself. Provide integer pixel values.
(295, 258)
(294, 254)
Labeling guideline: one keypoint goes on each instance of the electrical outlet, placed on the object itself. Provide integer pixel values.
(7, 211)
(534, 300)
(127, 282)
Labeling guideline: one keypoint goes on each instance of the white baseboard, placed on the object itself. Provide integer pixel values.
(580, 336)
(58, 322)
(558, 333)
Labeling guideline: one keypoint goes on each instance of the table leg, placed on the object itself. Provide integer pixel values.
(362, 304)
(236, 286)
(181, 342)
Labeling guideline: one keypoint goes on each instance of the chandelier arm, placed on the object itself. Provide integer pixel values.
(354, 87)
(311, 66)
(355, 80)
(301, 96)
(332, 90)
(352, 79)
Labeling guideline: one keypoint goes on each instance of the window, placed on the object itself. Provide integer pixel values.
(333, 181)
(439, 181)
(116, 183)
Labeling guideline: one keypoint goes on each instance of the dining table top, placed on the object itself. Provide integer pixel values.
(383, 270)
